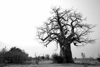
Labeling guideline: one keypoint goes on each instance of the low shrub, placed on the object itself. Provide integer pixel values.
(57, 59)
(98, 59)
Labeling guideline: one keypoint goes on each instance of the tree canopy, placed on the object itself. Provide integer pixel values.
(66, 25)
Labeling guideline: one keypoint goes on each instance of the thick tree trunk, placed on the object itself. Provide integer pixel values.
(65, 52)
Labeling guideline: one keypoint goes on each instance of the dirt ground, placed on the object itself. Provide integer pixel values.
(50, 64)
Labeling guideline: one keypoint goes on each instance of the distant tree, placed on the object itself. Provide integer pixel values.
(75, 58)
(14, 49)
(65, 28)
(15, 55)
(37, 59)
(2, 54)
(83, 55)
(4, 50)
(98, 57)
(47, 56)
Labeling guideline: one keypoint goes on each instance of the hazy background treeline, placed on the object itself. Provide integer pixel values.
(18, 56)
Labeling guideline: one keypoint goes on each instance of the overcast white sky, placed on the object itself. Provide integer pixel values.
(19, 19)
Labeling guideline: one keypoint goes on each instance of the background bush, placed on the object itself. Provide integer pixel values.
(98, 59)
(14, 55)
(57, 59)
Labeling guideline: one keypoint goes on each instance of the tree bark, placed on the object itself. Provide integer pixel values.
(65, 52)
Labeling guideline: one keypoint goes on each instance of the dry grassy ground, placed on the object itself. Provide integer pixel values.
(50, 64)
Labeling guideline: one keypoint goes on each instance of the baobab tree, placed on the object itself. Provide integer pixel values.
(65, 27)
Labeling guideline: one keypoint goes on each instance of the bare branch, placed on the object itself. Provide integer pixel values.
(65, 25)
